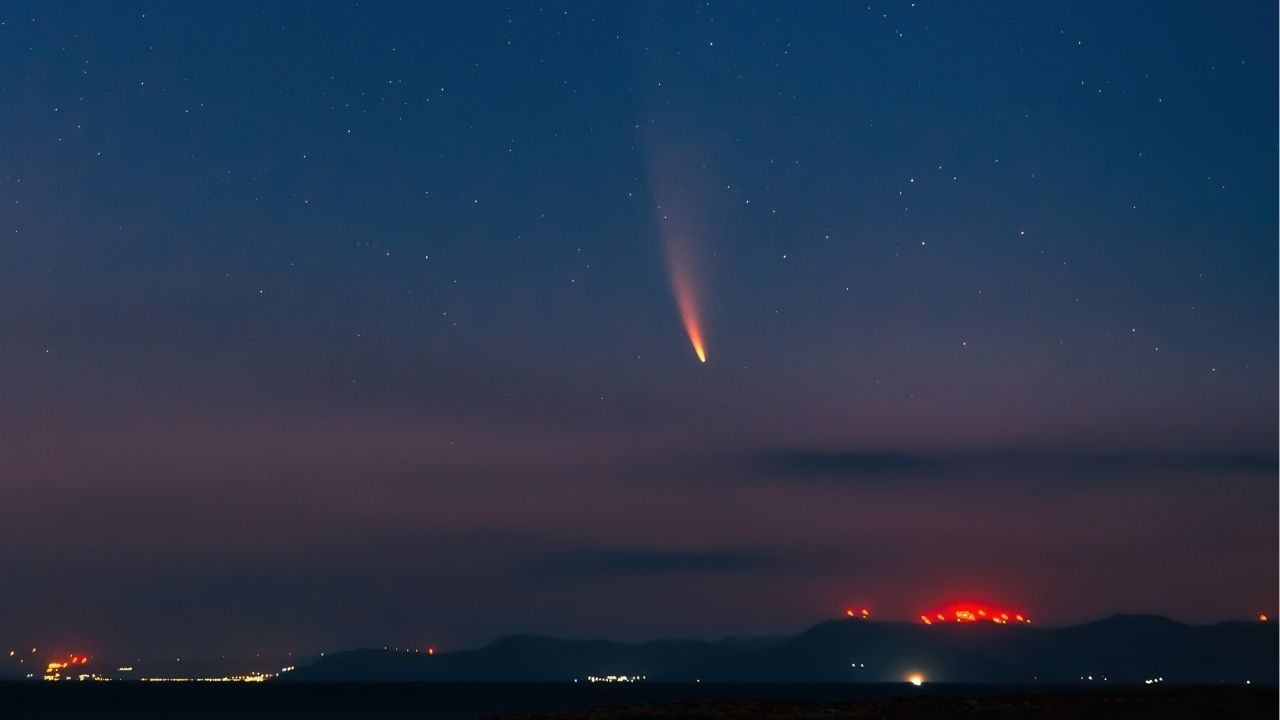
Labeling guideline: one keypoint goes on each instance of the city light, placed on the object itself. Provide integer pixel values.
(916, 679)
(616, 678)
(251, 677)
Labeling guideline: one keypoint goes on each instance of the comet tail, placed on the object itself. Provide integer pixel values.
(686, 300)
(689, 315)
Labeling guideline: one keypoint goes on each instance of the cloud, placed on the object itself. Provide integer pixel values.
(880, 464)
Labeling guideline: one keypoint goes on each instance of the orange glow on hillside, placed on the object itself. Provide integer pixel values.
(973, 613)
(72, 659)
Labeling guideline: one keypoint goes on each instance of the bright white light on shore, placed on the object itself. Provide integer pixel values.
(916, 679)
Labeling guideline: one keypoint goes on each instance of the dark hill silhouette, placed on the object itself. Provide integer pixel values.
(1121, 649)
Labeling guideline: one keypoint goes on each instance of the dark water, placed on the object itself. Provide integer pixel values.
(463, 701)
(429, 701)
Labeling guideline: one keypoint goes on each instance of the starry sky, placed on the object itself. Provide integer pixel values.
(335, 324)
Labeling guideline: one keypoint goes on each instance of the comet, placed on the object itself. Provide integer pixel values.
(676, 195)
(680, 272)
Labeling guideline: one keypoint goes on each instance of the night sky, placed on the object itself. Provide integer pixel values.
(343, 324)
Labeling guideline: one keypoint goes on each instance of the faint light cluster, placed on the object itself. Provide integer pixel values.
(864, 613)
(1153, 681)
(251, 677)
(417, 651)
(615, 678)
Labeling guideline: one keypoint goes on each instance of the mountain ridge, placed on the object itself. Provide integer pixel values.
(1120, 648)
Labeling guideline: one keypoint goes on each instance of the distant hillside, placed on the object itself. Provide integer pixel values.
(1121, 649)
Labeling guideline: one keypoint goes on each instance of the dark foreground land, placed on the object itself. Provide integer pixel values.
(663, 702)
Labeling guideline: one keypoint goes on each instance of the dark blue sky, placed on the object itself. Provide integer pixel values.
(330, 324)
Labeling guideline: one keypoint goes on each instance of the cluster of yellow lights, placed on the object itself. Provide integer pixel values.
(251, 677)
(254, 677)
(80, 678)
(616, 678)
(864, 613)
(62, 670)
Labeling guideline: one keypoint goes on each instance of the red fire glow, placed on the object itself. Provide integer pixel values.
(974, 612)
